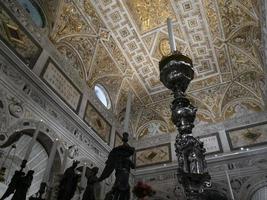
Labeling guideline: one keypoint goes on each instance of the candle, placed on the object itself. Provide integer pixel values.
(230, 187)
(64, 162)
(83, 181)
(171, 37)
(33, 140)
(50, 161)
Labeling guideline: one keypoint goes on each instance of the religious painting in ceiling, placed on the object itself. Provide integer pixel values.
(150, 14)
(153, 156)
(152, 128)
(247, 136)
(15, 36)
(119, 45)
(98, 123)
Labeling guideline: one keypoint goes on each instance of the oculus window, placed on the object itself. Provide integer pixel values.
(34, 11)
(102, 95)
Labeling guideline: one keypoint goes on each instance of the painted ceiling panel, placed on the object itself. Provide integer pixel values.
(126, 39)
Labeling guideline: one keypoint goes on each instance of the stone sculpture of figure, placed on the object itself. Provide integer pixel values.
(119, 160)
(13, 184)
(68, 183)
(193, 163)
(23, 185)
(89, 193)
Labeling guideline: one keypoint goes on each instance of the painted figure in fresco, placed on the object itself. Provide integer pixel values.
(68, 183)
(23, 185)
(89, 193)
(119, 160)
(13, 184)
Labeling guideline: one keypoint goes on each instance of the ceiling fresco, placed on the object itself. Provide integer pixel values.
(119, 43)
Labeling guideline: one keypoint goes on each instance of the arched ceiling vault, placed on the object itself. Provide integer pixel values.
(119, 43)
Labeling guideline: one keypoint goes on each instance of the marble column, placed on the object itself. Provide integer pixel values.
(50, 162)
(128, 112)
(224, 141)
(64, 162)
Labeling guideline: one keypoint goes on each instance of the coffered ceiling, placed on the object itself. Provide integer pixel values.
(118, 43)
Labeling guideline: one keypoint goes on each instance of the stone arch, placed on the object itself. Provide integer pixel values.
(12, 161)
(252, 185)
(46, 138)
(250, 104)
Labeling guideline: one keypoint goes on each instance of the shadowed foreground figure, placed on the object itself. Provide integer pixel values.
(23, 185)
(119, 160)
(68, 183)
(12, 185)
(89, 193)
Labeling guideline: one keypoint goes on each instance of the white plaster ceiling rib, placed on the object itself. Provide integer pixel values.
(250, 90)
(204, 14)
(97, 36)
(57, 17)
(189, 18)
(122, 51)
(75, 3)
(76, 35)
(68, 45)
(91, 64)
(106, 16)
(119, 93)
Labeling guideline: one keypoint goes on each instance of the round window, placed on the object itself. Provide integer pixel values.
(35, 12)
(102, 95)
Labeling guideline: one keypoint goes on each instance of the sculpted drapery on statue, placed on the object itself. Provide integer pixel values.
(119, 160)
(68, 183)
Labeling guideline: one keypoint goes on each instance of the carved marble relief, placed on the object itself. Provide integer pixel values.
(61, 84)
(153, 155)
(93, 118)
(212, 143)
(38, 100)
(247, 136)
(15, 37)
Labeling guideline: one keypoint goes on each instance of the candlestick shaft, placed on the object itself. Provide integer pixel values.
(171, 37)
(32, 142)
(50, 162)
(230, 186)
(83, 180)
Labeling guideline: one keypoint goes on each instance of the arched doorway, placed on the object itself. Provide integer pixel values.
(20, 135)
(260, 194)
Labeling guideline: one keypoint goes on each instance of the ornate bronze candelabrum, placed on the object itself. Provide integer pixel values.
(176, 72)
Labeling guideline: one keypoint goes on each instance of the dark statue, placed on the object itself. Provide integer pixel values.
(13, 184)
(119, 160)
(19, 185)
(89, 193)
(68, 183)
(176, 72)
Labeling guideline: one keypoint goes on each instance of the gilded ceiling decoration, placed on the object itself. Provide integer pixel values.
(119, 43)
(150, 14)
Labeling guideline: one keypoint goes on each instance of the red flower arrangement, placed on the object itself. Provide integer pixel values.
(142, 190)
